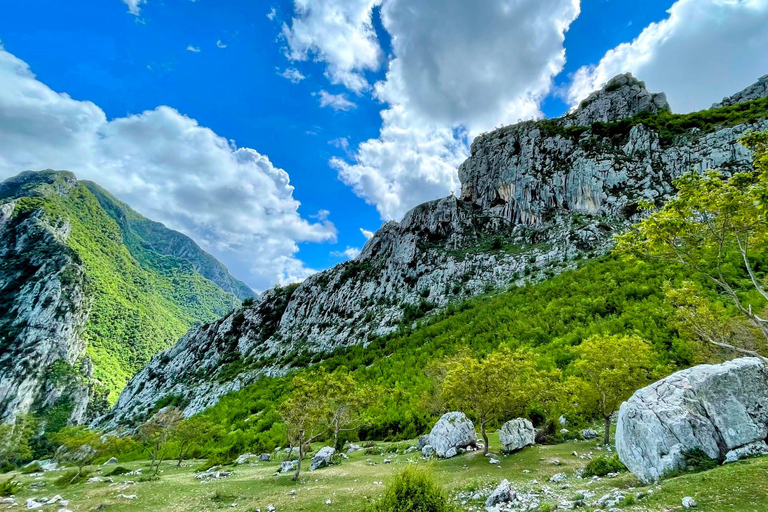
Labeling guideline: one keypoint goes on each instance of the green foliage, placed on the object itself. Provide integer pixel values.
(413, 490)
(9, 487)
(15, 440)
(73, 477)
(31, 468)
(601, 466)
(697, 460)
(119, 470)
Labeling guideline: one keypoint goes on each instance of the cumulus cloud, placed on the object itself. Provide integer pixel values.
(349, 253)
(336, 101)
(458, 68)
(338, 33)
(271, 14)
(704, 50)
(232, 200)
(292, 74)
(366, 233)
(134, 6)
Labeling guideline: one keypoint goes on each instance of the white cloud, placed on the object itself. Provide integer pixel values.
(232, 200)
(195, 49)
(704, 50)
(336, 101)
(366, 233)
(349, 253)
(341, 143)
(292, 74)
(458, 68)
(338, 33)
(271, 14)
(134, 6)
(220, 44)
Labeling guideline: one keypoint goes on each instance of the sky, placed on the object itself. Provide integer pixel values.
(281, 134)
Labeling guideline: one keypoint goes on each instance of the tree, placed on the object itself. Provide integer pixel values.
(190, 432)
(15, 438)
(611, 368)
(80, 445)
(502, 383)
(155, 434)
(305, 413)
(345, 398)
(716, 227)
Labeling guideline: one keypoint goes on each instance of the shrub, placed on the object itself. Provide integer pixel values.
(601, 466)
(119, 470)
(9, 487)
(698, 460)
(73, 477)
(217, 459)
(32, 468)
(412, 490)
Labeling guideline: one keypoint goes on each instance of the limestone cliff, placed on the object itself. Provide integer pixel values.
(535, 197)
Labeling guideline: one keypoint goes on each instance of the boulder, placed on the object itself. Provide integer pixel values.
(322, 458)
(354, 448)
(718, 409)
(427, 451)
(451, 432)
(423, 441)
(502, 494)
(589, 433)
(287, 466)
(245, 458)
(516, 435)
(112, 460)
(265, 457)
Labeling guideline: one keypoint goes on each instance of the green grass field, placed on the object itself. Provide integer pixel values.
(739, 487)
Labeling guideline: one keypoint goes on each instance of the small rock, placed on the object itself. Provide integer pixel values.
(558, 478)
(689, 502)
(387, 461)
(328, 501)
(127, 496)
(589, 433)
(112, 460)
(494, 461)
(287, 466)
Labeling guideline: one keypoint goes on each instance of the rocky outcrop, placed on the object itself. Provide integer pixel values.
(452, 432)
(535, 197)
(718, 409)
(516, 434)
(622, 97)
(757, 90)
(322, 458)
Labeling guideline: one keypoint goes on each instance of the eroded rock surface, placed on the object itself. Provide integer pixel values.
(517, 434)
(452, 432)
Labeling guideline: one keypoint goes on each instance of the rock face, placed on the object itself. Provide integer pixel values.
(622, 97)
(719, 409)
(322, 458)
(535, 196)
(49, 289)
(516, 435)
(452, 432)
(757, 90)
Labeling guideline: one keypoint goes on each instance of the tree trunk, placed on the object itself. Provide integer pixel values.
(485, 437)
(301, 456)
(607, 437)
(336, 438)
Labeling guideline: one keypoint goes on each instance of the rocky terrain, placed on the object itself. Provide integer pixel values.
(60, 240)
(535, 197)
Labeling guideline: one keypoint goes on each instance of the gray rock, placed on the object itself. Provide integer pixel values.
(112, 460)
(427, 451)
(748, 450)
(451, 432)
(287, 466)
(245, 458)
(265, 457)
(423, 441)
(719, 409)
(516, 435)
(558, 478)
(689, 502)
(502, 494)
(757, 90)
(354, 448)
(322, 458)
(589, 433)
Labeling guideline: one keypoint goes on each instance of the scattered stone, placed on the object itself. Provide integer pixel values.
(136, 472)
(427, 451)
(126, 496)
(245, 458)
(502, 494)
(33, 504)
(213, 475)
(387, 461)
(322, 458)
(689, 502)
(293, 492)
(589, 433)
(112, 460)
(558, 478)
(516, 435)
(271, 508)
(611, 499)
(451, 432)
(328, 501)
(354, 448)
(287, 466)
(564, 431)
(494, 461)
(94, 480)
(265, 457)
(719, 409)
(563, 422)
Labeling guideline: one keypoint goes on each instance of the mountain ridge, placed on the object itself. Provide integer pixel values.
(536, 197)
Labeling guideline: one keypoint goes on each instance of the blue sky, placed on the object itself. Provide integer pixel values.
(220, 63)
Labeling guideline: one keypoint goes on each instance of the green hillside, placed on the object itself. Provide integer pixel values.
(143, 296)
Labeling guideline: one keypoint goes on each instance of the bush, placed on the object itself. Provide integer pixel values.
(119, 470)
(412, 490)
(601, 466)
(217, 459)
(9, 487)
(73, 477)
(698, 460)
(32, 468)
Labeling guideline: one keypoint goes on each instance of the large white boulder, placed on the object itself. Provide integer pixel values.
(322, 458)
(719, 409)
(516, 435)
(451, 432)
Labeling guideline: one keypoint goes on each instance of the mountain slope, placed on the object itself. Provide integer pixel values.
(91, 290)
(536, 196)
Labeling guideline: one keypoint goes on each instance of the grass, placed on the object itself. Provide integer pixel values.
(351, 485)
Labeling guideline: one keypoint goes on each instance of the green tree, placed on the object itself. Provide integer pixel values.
(15, 440)
(611, 368)
(155, 434)
(305, 413)
(502, 383)
(717, 227)
(189, 432)
(79, 445)
(346, 397)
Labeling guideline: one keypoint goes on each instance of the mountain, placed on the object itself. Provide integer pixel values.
(536, 197)
(90, 291)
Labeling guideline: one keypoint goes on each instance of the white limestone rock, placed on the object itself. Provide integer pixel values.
(517, 434)
(719, 409)
(322, 458)
(451, 432)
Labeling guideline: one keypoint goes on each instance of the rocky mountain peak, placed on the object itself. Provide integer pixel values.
(757, 90)
(621, 97)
